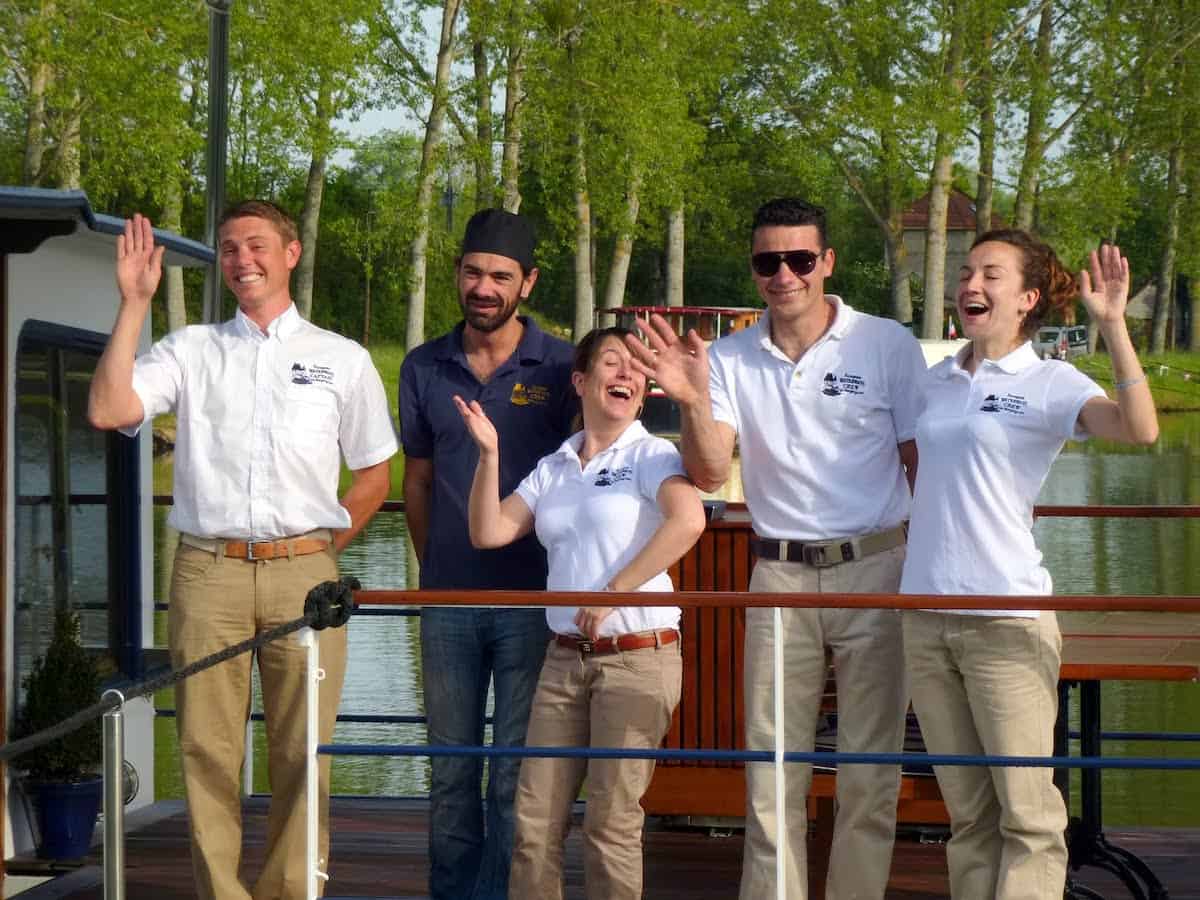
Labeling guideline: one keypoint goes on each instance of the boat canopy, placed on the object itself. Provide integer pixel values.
(30, 215)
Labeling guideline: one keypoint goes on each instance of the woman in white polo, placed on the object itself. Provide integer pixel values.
(614, 510)
(995, 417)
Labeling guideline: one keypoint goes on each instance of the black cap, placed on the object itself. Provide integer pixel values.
(501, 232)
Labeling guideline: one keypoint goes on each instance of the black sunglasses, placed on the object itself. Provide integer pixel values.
(801, 262)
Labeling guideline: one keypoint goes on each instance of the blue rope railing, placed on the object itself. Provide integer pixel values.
(816, 757)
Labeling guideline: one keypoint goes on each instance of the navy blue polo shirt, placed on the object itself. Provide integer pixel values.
(531, 402)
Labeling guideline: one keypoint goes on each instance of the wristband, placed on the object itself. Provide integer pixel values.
(1121, 385)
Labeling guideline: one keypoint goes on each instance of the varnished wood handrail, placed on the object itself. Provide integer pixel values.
(1180, 511)
(1074, 602)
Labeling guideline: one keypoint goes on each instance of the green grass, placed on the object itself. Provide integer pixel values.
(1174, 377)
(388, 358)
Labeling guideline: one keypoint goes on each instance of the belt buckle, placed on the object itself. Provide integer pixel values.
(814, 555)
(250, 557)
(585, 646)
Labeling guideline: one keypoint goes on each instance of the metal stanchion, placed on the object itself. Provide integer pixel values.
(781, 835)
(114, 800)
(316, 871)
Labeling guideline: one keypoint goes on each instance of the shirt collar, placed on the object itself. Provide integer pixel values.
(842, 320)
(1010, 364)
(634, 432)
(281, 327)
(531, 348)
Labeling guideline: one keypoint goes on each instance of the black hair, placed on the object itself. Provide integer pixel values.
(790, 211)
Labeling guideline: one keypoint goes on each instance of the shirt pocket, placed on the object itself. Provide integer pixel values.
(310, 409)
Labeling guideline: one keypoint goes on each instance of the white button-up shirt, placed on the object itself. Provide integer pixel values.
(260, 421)
(986, 443)
(818, 437)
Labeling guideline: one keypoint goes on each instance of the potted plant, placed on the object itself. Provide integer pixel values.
(62, 777)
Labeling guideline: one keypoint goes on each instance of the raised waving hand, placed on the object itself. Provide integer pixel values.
(679, 367)
(139, 261)
(1105, 290)
(479, 426)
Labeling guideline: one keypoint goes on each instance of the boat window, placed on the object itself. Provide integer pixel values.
(76, 527)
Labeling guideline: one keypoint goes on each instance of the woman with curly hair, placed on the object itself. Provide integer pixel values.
(995, 417)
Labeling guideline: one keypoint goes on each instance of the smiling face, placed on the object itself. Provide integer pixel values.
(787, 295)
(257, 263)
(490, 288)
(610, 390)
(992, 298)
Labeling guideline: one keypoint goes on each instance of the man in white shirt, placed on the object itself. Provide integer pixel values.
(822, 403)
(264, 403)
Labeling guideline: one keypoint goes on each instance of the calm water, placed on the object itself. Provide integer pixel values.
(1083, 555)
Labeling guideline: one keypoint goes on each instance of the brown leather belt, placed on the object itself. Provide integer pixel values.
(829, 553)
(642, 640)
(256, 550)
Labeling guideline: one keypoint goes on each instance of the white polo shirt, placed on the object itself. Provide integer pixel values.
(986, 444)
(818, 437)
(261, 418)
(593, 520)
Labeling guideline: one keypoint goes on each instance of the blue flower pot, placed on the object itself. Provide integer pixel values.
(66, 814)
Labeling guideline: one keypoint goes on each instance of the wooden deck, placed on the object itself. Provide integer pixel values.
(379, 851)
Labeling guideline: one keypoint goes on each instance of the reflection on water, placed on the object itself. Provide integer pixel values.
(1103, 556)
(1134, 556)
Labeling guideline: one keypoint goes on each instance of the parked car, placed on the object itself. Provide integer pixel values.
(1061, 341)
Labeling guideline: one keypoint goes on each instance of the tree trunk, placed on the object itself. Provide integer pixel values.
(40, 76)
(935, 238)
(1193, 336)
(484, 185)
(618, 272)
(309, 225)
(1164, 296)
(67, 159)
(35, 126)
(891, 226)
(897, 262)
(985, 179)
(510, 165)
(585, 300)
(173, 221)
(675, 248)
(366, 332)
(415, 329)
(1041, 94)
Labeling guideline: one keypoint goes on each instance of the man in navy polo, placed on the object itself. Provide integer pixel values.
(521, 376)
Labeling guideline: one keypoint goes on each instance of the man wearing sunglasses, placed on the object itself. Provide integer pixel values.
(822, 402)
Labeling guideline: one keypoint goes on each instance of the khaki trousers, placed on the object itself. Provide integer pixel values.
(215, 602)
(989, 685)
(612, 700)
(872, 702)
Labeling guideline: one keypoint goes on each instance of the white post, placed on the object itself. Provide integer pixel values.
(248, 758)
(114, 800)
(780, 781)
(308, 639)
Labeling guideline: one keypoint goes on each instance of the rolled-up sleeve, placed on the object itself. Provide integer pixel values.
(158, 379)
(366, 433)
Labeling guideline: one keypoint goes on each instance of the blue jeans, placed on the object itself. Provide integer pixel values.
(462, 650)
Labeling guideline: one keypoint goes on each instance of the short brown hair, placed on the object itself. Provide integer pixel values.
(263, 209)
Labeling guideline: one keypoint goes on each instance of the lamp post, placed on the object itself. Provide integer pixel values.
(218, 119)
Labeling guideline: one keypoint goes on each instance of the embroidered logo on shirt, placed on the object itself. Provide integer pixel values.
(847, 383)
(608, 477)
(302, 374)
(1014, 404)
(527, 394)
